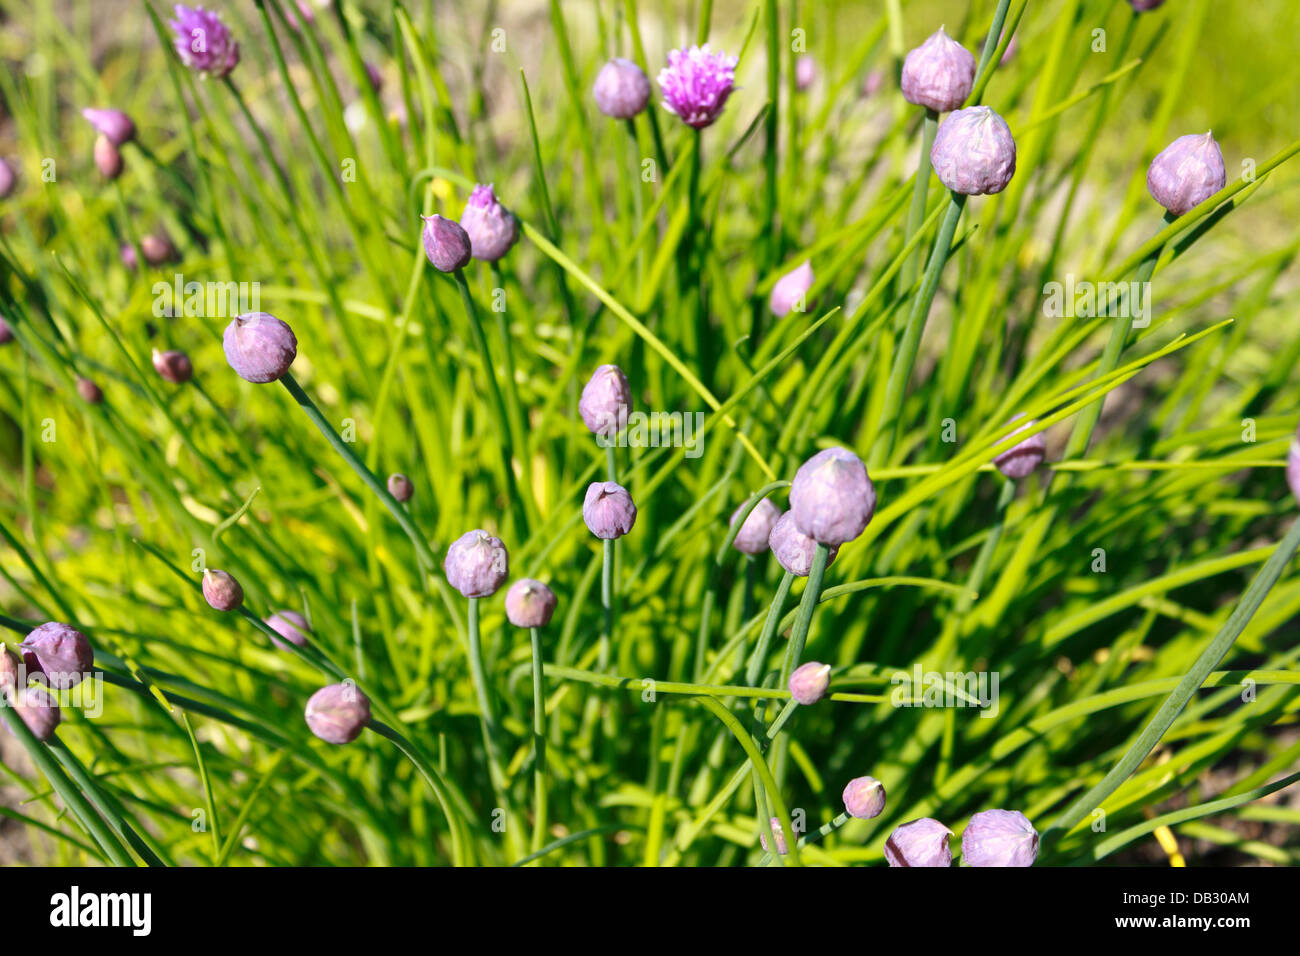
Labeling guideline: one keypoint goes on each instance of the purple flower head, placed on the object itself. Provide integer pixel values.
(221, 590)
(38, 710)
(999, 838)
(400, 487)
(445, 243)
(59, 652)
(1019, 461)
(6, 333)
(259, 347)
(793, 549)
(864, 798)
(529, 603)
(805, 72)
(107, 158)
(89, 391)
(7, 179)
(775, 829)
(608, 510)
(622, 89)
(973, 152)
(696, 84)
(809, 682)
(114, 125)
(1186, 173)
(491, 227)
(338, 713)
(831, 497)
(174, 366)
(922, 842)
(753, 534)
(606, 401)
(290, 625)
(1293, 466)
(476, 564)
(203, 41)
(938, 74)
(1142, 6)
(788, 295)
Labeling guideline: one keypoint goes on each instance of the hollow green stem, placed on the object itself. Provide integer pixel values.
(756, 660)
(811, 594)
(539, 740)
(920, 190)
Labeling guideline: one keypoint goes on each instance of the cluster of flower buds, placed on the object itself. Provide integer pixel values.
(991, 838)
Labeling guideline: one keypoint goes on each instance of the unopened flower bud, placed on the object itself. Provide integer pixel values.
(831, 497)
(373, 76)
(1293, 466)
(791, 290)
(775, 829)
(805, 72)
(872, 83)
(793, 549)
(696, 84)
(10, 668)
(445, 243)
(173, 365)
(606, 401)
(809, 682)
(60, 652)
(38, 710)
(221, 590)
(922, 842)
(622, 89)
(1019, 461)
(290, 625)
(864, 798)
(491, 227)
(974, 153)
(477, 564)
(1142, 6)
(530, 603)
(259, 347)
(158, 249)
(6, 333)
(107, 158)
(939, 74)
(608, 510)
(400, 487)
(89, 391)
(7, 179)
(1186, 173)
(338, 713)
(999, 838)
(114, 125)
(753, 534)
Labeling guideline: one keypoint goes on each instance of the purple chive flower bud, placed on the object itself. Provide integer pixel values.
(107, 158)
(7, 179)
(290, 625)
(373, 76)
(831, 497)
(753, 534)
(89, 391)
(1020, 460)
(9, 667)
(491, 227)
(1142, 6)
(259, 347)
(6, 333)
(59, 652)
(445, 243)
(793, 549)
(127, 254)
(173, 365)
(529, 603)
(1293, 466)
(805, 72)
(872, 83)
(922, 842)
(114, 125)
(606, 401)
(696, 84)
(775, 829)
(221, 590)
(864, 798)
(939, 74)
(973, 152)
(608, 510)
(809, 682)
(476, 564)
(400, 487)
(999, 838)
(38, 710)
(622, 89)
(788, 295)
(203, 41)
(338, 713)
(158, 250)
(1186, 173)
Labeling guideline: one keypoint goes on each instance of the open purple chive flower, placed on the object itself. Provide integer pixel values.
(922, 842)
(831, 497)
(1293, 466)
(259, 347)
(338, 713)
(173, 365)
(89, 391)
(445, 243)
(203, 41)
(608, 510)
(622, 89)
(864, 798)
(793, 549)
(1186, 173)
(7, 179)
(788, 295)
(529, 603)
(114, 125)
(60, 652)
(939, 74)
(158, 250)
(221, 590)
(477, 564)
(400, 487)
(775, 829)
(1142, 6)
(290, 625)
(696, 84)
(805, 72)
(753, 534)
(1019, 461)
(999, 838)
(809, 682)
(606, 401)
(38, 710)
(107, 158)
(491, 227)
(974, 153)
(6, 333)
